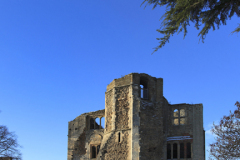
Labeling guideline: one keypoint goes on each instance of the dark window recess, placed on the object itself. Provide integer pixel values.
(144, 93)
(175, 150)
(119, 137)
(98, 148)
(93, 152)
(92, 121)
(181, 150)
(168, 151)
(189, 150)
(144, 89)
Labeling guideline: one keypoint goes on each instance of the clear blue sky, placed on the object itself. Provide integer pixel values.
(58, 56)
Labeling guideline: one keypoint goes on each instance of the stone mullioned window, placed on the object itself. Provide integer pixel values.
(179, 150)
(179, 117)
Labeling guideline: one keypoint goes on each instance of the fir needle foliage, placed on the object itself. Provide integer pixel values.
(179, 13)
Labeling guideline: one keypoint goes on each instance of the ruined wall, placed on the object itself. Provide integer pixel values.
(80, 137)
(76, 132)
(189, 132)
(136, 127)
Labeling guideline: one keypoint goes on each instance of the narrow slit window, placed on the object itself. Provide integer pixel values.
(175, 150)
(119, 137)
(144, 89)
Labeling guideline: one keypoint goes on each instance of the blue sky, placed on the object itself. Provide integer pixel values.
(58, 56)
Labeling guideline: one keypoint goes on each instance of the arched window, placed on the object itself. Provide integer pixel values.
(144, 88)
(175, 150)
(94, 152)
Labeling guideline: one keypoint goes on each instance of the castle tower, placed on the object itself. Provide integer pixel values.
(140, 124)
(133, 110)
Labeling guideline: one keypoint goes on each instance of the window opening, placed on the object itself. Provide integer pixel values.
(119, 137)
(182, 117)
(93, 152)
(168, 151)
(92, 121)
(189, 150)
(175, 117)
(103, 122)
(97, 123)
(144, 89)
(175, 150)
(179, 117)
(181, 150)
(98, 148)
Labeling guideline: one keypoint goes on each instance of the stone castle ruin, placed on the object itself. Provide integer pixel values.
(139, 124)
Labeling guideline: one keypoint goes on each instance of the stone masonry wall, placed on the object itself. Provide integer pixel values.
(151, 131)
(113, 150)
(122, 108)
(109, 110)
(76, 131)
(117, 114)
(78, 135)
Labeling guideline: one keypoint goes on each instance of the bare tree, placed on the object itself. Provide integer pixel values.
(227, 145)
(9, 146)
